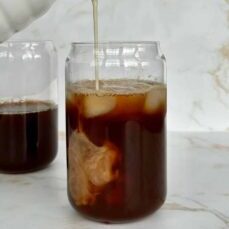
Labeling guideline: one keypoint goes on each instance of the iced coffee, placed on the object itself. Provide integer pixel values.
(28, 135)
(28, 106)
(116, 148)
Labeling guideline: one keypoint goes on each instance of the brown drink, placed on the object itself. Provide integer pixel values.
(116, 148)
(28, 135)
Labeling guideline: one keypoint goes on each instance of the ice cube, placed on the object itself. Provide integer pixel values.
(90, 168)
(155, 99)
(95, 105)
(130, 104)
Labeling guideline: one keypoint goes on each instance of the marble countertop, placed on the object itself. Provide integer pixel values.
(198, 194)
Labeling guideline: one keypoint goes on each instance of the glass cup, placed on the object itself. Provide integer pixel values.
(116, 136)
(28, 105)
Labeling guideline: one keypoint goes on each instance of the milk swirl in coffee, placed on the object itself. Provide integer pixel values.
(116, 142)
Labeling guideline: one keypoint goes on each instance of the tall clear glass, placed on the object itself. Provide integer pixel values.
(28, 105)
(116, 136)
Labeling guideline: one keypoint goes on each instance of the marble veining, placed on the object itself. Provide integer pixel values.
(200, 208)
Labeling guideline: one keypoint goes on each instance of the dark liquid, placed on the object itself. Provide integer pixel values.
(140, 140)
(28, 136)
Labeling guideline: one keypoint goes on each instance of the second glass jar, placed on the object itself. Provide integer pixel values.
(28, 105)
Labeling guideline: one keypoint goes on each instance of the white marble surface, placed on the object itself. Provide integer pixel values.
(198, 194)
(194, 36)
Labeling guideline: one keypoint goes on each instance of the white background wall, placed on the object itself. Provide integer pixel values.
(194, 36)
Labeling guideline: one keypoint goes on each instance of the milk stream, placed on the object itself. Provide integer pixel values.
(96, 42)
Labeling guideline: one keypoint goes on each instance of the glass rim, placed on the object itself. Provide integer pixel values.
(155, 43)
